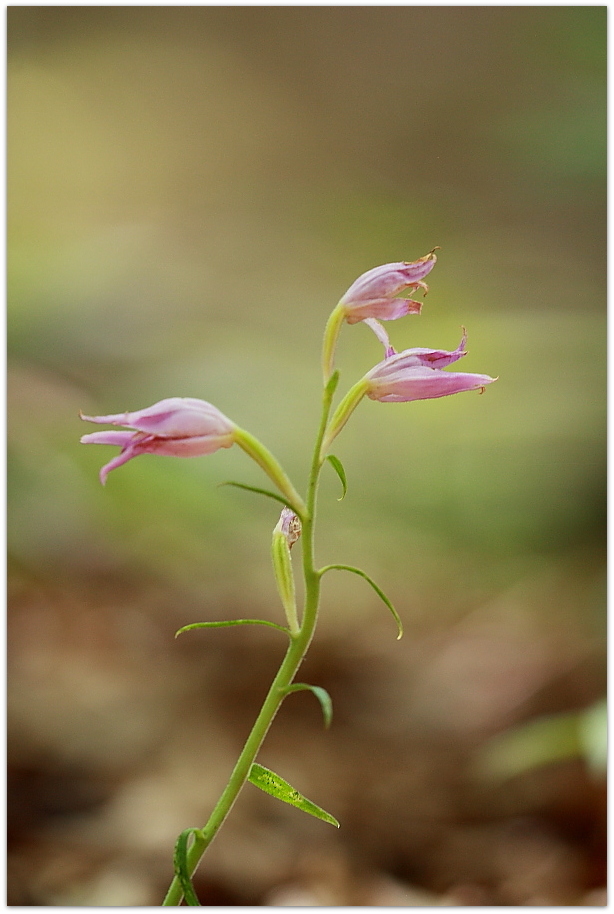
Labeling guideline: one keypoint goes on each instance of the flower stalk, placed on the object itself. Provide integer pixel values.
(295, 653)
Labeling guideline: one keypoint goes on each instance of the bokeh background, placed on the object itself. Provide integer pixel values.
(190, 191)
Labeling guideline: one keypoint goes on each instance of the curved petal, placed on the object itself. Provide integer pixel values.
(424, 384)
(381, 333)
(175, 417)
(122, 439)
(411, 359)
(183, 447)
(386, 309)
(126, 455)
(389, 279)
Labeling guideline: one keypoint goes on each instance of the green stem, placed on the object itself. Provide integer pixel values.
(263, 457)
(299, 643)
(343, 412)
(331, 333)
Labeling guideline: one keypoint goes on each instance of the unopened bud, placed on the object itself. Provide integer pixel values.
(290, 525)
(285, 534)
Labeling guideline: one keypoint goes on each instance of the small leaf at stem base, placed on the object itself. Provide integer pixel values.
(271, 783)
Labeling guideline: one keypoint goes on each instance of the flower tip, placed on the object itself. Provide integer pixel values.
(483, 387)
(430, 256)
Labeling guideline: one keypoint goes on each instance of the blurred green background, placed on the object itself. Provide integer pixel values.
(190, 191)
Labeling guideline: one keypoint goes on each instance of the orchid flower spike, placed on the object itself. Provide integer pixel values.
(416, 374)
(376, 294)
(176, 427)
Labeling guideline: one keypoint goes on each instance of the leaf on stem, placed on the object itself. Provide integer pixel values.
(271, 783)
(340, 471)
(259, 491)
(377, 590)
(322, 696)
(331, 385)
(180, 862)
(227, 622)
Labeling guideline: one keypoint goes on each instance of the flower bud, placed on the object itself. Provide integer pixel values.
(285, 534)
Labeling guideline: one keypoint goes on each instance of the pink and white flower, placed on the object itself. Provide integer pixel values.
(416, 374)
(375, 293)
(176, 427)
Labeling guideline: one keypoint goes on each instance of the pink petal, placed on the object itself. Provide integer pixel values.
(424, 384)
(386, 309)
(382, 334)
(388, 280)
(109, 437)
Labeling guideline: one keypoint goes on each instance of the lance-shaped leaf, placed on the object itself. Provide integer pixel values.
(227, 622)
(322, 696)
(259, 491)
(271, 783)
(180, 861)
(370, 581)
(340, 471)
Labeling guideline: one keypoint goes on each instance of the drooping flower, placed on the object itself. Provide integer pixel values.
(416, 374)
(374, 294)
(176, 427)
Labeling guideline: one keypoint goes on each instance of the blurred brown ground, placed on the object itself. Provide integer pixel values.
(190, 191)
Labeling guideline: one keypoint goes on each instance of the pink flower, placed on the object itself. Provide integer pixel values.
(416, 374)
(374, 293)
(177, 427)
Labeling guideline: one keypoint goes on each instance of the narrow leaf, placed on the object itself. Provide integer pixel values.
(340, 471)
(377, 590)
(226, 623)
(331, 385)
(259, 491)
(271, 783)
(180, 861)
(322, 696)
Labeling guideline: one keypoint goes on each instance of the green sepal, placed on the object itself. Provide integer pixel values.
(180, 862)
(259, 491)
(321, 694)
(340, 471)
(226, 623)
(271, 783)
(377, 590)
